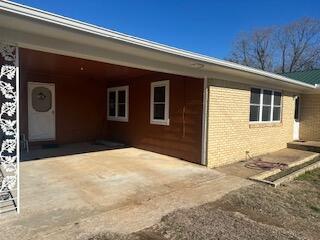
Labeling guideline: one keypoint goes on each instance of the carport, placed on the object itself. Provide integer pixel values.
(65, 82)
(71, 100)
(121, 190)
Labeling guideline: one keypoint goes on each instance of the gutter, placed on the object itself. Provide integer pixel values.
(41, 15)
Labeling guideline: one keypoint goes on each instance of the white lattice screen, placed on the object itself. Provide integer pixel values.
(9, 133)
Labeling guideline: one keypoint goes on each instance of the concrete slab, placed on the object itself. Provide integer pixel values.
(123, 190)
(286, 156)
(69, 149)
(313, 146)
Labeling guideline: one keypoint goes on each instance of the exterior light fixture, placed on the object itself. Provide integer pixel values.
(197, 65)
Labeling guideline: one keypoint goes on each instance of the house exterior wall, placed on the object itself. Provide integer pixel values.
(81, 104)
(182, 138)
(80, 108)
(310, 117)
(230, 135)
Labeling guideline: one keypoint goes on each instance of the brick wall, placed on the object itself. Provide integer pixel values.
(310, 117)
(229, 133)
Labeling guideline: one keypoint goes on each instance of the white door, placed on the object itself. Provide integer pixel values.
(41, 111)
(296, 121)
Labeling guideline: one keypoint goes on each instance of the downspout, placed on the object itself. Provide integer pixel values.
(204, 122)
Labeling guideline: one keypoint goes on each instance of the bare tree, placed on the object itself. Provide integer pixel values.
(241, 50)
(293, 47)
(262, 48)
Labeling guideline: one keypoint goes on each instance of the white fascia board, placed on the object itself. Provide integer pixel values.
(48, 17)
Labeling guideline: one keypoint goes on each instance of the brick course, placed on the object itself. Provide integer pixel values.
(310, 117)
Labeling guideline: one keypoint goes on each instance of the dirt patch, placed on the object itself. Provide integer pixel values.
(289, 207)
(255, 212)
(107, 236)
(207, 223)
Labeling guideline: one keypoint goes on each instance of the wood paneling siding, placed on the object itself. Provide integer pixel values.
(81, 104)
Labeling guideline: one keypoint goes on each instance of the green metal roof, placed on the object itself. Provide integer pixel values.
(308, 76)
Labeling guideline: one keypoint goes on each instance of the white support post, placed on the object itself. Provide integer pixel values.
(18, 128)
(9, 128)
(204, 122)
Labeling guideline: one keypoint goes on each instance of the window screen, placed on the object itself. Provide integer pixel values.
(112, 103)
(121, 103)
(118, 103)
(41, 99)
(265, 105)
(297, 108)
(160, 103)
(255, 104)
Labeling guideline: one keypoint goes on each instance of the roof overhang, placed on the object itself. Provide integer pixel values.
(39, 30)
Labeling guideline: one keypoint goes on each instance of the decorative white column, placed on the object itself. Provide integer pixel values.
(9, 131)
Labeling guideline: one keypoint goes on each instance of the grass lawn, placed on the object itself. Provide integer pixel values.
(255, 212)
(313, 177)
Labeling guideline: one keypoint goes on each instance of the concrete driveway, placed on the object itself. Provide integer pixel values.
(123, 190)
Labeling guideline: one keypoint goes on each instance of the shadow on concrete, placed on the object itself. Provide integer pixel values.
(46, 151)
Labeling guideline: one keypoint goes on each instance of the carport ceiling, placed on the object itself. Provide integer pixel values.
(43, 62)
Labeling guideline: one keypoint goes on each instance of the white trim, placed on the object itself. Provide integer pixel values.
(261, 105)
(272, 105)
(204, 122)
(57, 20)
(296, 122)
(116, 117)
(166, 120)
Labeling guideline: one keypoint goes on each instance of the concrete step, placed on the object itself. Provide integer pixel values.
(7, 203)
(277, 177)
(7, 207)
(311, 146)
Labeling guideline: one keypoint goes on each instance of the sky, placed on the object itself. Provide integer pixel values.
(208, 27)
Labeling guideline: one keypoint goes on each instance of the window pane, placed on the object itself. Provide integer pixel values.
(255, 96)
(267, 97)
(121, 110)
(297, 108)
(159, 94)
(277, 98)
(254, 113)
(266, 113)
(276, 114)
(41, 99)
(158, 111)
(121, 96)
(112, 104)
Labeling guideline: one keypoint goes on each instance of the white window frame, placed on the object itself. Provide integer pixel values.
(261, 105)
(116, 117)
(166, 120)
